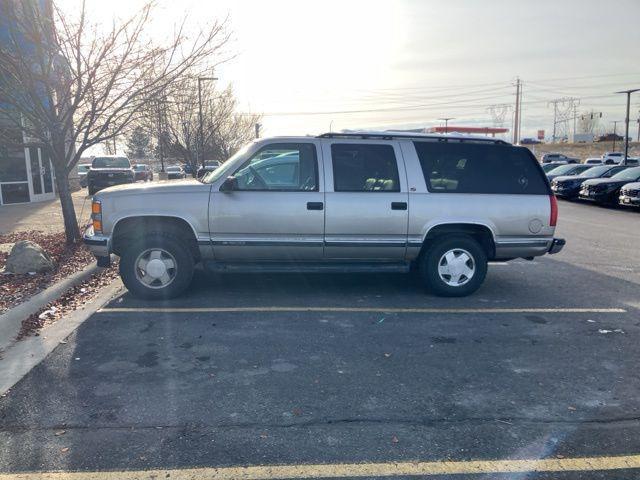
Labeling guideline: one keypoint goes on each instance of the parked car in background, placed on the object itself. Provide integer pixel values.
(109, 170)
(208, 167)
(568, 169)
(558, 157)
(569, 186)
(143, 172)
(188, 169)
(83, 169)
(612, 157)
(547, 167)
(335, 203)
(175, 172)
(630, 195)
(594, 161)
(530, 141)
(608, 137)
(607, 190)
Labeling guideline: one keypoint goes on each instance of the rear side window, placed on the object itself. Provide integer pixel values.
(478, 168)
(364, 168)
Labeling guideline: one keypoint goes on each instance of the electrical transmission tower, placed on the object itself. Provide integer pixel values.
(499, 114)
(564, 109)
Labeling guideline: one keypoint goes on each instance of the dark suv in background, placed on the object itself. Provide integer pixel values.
(607, 190)
(107, 171)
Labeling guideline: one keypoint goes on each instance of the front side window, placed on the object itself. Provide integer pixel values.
(280, 167)
(364, 168)
(477, 168)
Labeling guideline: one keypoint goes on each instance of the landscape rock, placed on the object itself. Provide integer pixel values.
(26, 256)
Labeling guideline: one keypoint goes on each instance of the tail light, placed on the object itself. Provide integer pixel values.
(553, 217)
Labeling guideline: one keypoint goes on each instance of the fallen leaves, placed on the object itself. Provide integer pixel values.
(68, 259)
(74, 298)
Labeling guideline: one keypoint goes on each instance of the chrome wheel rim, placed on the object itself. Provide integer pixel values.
(156, 268)
(456, 267)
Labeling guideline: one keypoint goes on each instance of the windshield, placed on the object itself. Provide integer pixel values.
(630, 174)
(226, 166)
(562, 170)
(111, 162)
(139, 168)
(595, 172)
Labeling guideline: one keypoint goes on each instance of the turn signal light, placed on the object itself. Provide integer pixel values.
(553, 217)
(97, 225)
(96, 207)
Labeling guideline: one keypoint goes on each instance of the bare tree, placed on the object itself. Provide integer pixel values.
(70, 85)
(224, 129)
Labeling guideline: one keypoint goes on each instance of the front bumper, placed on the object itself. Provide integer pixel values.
(102, 183)
(98, 244)
(557, 245)
(601, 197)
(629, 201)
(565, 192)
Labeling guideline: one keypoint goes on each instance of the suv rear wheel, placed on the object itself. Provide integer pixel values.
(157, 266)
(454, 266)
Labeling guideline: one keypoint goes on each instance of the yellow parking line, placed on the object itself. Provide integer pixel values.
(387, 469)
(354, 309)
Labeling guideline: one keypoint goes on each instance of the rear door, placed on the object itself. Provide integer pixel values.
(366, 199)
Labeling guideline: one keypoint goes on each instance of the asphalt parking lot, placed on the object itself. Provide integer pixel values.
(353, 375)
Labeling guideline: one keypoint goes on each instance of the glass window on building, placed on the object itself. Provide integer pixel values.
(13, 175)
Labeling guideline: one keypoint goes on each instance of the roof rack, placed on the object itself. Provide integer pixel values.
(422, 136)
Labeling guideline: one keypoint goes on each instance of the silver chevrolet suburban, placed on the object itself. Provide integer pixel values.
(339, 202)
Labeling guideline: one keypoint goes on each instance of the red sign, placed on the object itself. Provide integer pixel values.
(540, 134)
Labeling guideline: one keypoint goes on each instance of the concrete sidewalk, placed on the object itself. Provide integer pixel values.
(42, 216)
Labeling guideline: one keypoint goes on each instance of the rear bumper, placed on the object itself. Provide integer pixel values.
(557, 244)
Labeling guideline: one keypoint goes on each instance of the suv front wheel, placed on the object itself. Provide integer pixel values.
(454, 266)
(157, 266)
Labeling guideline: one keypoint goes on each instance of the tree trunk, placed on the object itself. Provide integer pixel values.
(71, 229)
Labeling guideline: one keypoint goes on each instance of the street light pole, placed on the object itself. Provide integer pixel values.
(446, 123)
(626, 122)
(615, 134)
(200, 134)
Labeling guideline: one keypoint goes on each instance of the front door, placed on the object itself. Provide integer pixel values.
(41, 175)
(366, 201)
(276, 211)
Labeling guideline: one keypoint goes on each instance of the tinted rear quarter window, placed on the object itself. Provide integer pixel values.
(480, 168)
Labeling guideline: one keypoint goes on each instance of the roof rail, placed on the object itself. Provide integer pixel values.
(421, 136)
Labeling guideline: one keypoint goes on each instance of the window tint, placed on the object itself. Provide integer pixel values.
(280, 167)
(364, 168)
(111, 162)
(477, 168)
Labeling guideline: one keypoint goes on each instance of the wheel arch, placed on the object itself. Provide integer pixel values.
(131, 228)
(481, 232)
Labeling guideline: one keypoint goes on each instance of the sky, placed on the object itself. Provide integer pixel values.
(310, 66)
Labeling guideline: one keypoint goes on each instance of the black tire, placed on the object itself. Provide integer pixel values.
(171, 244)
(430, 261)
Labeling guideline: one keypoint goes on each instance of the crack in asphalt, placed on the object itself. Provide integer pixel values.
(328, 422)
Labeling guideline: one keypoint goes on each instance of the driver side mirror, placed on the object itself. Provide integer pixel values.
(229, 185)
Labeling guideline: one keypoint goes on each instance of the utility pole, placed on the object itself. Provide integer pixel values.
(201, 139)
(638, 128)
(258, 125)
(516, 118)
(615, 125)
(446, 123)
(626, 122)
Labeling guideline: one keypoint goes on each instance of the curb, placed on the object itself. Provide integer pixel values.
(11, 320)
(22, 356)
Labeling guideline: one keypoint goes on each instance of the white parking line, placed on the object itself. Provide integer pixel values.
(353, 309)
